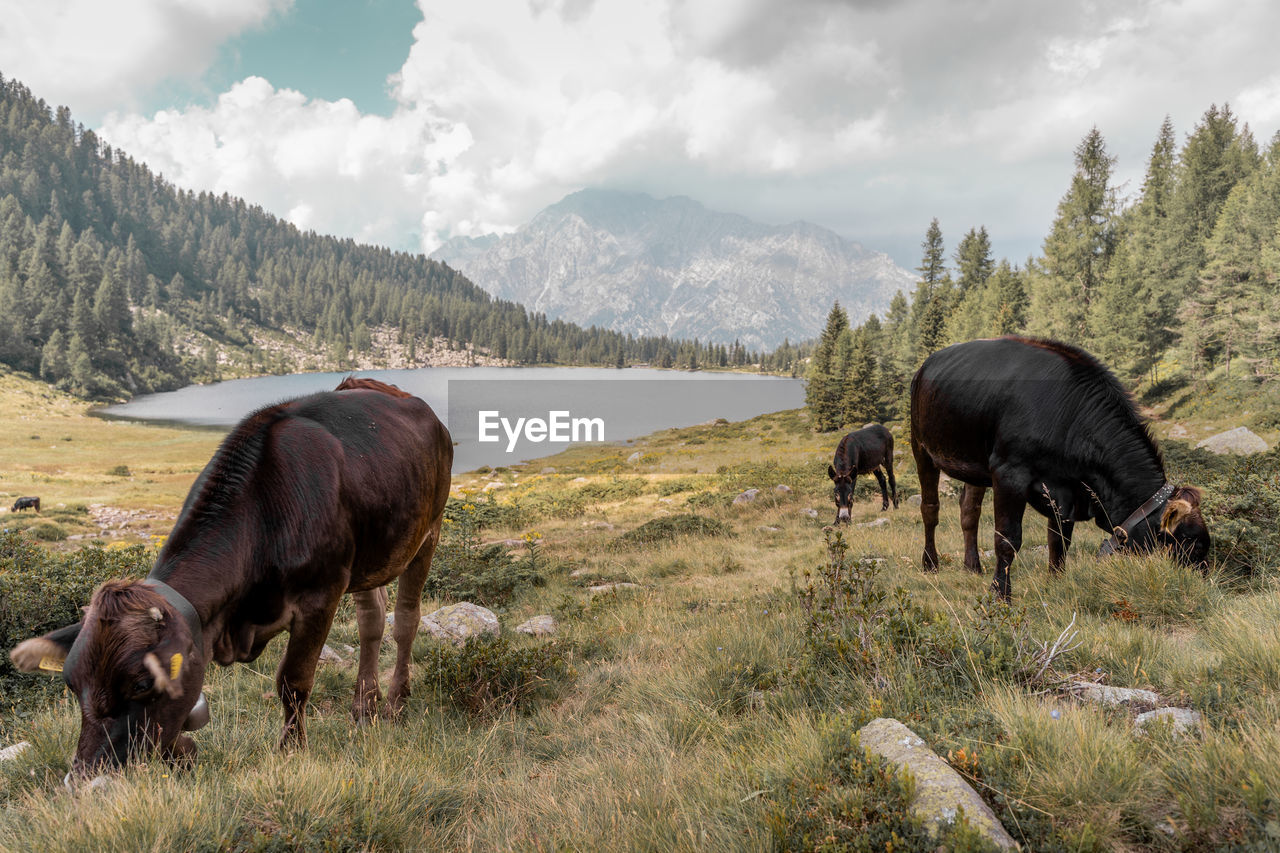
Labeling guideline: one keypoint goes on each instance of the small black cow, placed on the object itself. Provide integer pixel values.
(26, 503)
(863, 451)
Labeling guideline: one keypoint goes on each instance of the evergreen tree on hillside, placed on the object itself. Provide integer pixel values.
(1078, 248)
(1217, 155)
(931, 302)
(825, 386)
(966, 319)
(860, 401)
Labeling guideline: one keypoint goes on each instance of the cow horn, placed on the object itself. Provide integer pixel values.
(156, 614)
(172, 688)
(198, 718)
(1174, 514)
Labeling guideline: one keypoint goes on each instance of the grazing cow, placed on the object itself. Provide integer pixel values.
(864, 451)
(304, 501)
(26, 503)
(1043, 423)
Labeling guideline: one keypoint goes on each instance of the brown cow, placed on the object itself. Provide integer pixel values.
(304, 501)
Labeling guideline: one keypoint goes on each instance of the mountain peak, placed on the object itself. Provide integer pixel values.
(641, 265)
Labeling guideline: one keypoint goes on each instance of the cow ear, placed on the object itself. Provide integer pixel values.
(1174, 514)
(831, 472)
(47, 652)
(1190, 494)
(163, 683)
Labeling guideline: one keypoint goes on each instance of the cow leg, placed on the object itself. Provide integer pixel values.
(928, 474)
(970, 514)
(1009, 505)
(408, 606)
(371, 616)
(297, 673)
(893, 483)
(884, 489)
(1059, 542)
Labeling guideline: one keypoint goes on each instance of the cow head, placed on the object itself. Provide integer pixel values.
(135, 670)
(1183, 530)
(843, 492)
(1175, 525)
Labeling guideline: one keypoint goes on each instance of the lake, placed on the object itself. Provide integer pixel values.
(501, 415)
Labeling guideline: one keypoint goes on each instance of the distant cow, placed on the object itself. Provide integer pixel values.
(304, 501)
(1043, 423)
(864, 451)
(26, 503)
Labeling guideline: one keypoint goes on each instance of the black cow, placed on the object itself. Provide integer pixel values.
(304, 501)
(863, 451)
(26, 503)
(1043, 423)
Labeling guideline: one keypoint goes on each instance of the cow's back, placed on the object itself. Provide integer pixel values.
(1012, 394)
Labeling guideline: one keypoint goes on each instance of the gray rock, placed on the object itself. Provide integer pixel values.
(538, 626)
(457, 623)
(548, 470)
(915, 501)
(328, 655)
(766, 528)
(940, 791)
(1105, 694)
(879, 522)
(634, 458)
(505, 543)
(579, 480)
(11, 752)
(582, 573)
(1178, 431)
(611, 587)
(746, 497)
(1183, 720)
(1239, 440)
(782, 489)
(810, 511)
(598, 525)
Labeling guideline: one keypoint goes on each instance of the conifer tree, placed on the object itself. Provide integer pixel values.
(824, 387)
(1079, 246)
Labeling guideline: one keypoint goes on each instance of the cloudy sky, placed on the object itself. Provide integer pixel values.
(404, 124)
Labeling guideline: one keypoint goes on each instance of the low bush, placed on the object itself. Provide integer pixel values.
(463, 570)
(672, 526)
(492, 675)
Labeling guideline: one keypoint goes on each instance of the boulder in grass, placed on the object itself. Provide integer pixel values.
(1105, 694)
(1240, 441)
(746, 497)
(1183, 720)
(457, 623)
(11, 752)
(538, 626)
(940, 792)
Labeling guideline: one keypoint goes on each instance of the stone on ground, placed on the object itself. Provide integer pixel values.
(1104, 694)
(538, 626)
(1183, 720)
(1239, 440)
(457, 623)
(11, 752)
(746, 497)
(940, 791)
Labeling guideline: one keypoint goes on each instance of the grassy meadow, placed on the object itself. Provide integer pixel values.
(712, 705)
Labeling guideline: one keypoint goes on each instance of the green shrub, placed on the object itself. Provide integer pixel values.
(669, 527)
(41, 591)
(490, 675)
(463, 570)
(1242, 509)
(120, 471)
(47, 531)
(616, 489)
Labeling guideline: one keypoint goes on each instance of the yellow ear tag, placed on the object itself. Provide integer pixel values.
(49, 664)
(175, 666)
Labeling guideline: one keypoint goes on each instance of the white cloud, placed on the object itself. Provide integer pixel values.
(94, 55)
(868, 116)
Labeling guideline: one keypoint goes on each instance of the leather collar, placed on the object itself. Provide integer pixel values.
(1114, 544)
